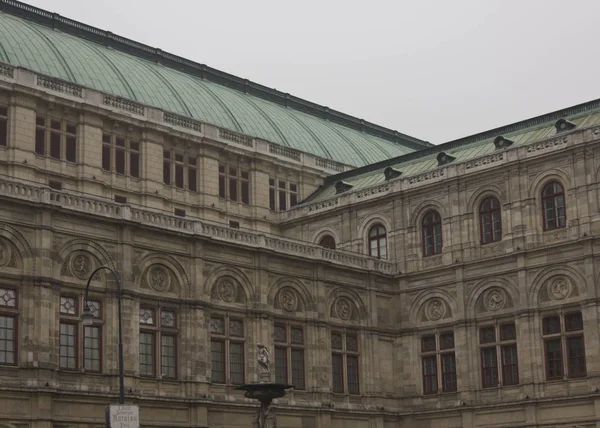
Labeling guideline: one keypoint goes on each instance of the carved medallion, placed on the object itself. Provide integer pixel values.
(559, 288)
(226, 290)
(343, 308)
(81, 266)
(159, 278)
(288, 300)
(435, 309)
(494, 299)
(4, 253)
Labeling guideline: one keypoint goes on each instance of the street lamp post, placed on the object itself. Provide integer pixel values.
(88, 318)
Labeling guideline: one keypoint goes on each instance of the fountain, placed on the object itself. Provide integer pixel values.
(265, 392)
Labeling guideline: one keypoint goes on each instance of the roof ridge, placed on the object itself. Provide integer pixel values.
(495, 132)
(108, 39)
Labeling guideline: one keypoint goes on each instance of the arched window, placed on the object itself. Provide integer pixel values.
(378, 242)
(553, 206)
(327, 241)
(489, 220)
(432, 234)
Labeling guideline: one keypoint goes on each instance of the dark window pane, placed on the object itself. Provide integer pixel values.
(554, 361)
(106, 138)
(166, 154)
(236, 363)
(551, 325)
(573, 322)
(510, 372)
(446, 340)
(221, 169)
(337, 373)
(217, 361)
(272, 198)
(245, 192)
(245, 175)
(336, 341)
(352, 363)
(508, 332)
(166, 172)
(280, 365)
(134, 164)
(119, 161)
(351, 343)
(192, 180)
(282, 201)
(8, 345)
(71, 129)
(297, 336)
(135, 147)
(55, 124)
(280, 333)
(487, 335)
(40, 121)
(271, 182)
(178, 158)
(106, 158)
(327, 241)
(68, 346)
(221, 186)
(40, 141)
(430, 383)
(448, 373)
(489, 367)
(55, 145)
(428, 343)
(233, 189)
(179, 176)
(91, 348)
(146, 354)
(293, 199)
(3, 132)
(168, 355)
(298, 368)
(576, 355)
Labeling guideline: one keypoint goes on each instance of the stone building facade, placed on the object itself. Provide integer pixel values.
(439, 286)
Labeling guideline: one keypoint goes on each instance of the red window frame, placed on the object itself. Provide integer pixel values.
(438, 357)
(490, 220)
(431, 226)
(553, 200)
(378, 234)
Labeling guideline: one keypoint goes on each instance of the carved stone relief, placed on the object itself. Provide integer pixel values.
(494, 299)
(288, 300)
(344, 309)
(8, 256)
(81, 265)
(559, 288)
(159, 278)
(435, 309)
(228, 290)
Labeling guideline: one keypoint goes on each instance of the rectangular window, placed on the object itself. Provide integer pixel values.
(563, 336)
(161, 332)
(92, 338)
(8, 326)
(180, 170)
(72, 356)
(289, 355)
(227, 350)
(120, 155)
(282, 194)
(3, 126)
(192, 174)
(179, 167)
(437, 352)
(345, 363)
(234, 184)
(166, 167)
(56, 138)
(68, 346)
(498, 353)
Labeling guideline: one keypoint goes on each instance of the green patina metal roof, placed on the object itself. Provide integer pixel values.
(68, 54)
(475, 146)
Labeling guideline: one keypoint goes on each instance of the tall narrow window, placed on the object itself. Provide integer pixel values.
(121, 155)
(498, 348)
(56, 138)
(553, 206)
(437, 356)
(563, 335)
(289, 355)
(158, 342)
(432, 234)
(490, 222)
(179, 168)
(227, 350)
(344, 362)
(192, 174)
(3, 126)
(166, 167)
(327, 241)
(92, 339)
(378, 242)
(234, 184)
(8, 326)
(69, 310)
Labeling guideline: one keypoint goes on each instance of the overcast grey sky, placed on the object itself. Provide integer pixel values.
(436, 70)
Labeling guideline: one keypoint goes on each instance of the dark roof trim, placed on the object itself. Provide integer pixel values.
(433, 151)
(106, 38)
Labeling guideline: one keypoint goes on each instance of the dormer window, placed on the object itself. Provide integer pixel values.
(501, 143)
(342, 186)
(563, 125)
(390, 173)
(444, 158)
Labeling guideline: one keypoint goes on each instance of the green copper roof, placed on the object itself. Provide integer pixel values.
(66, 53)
(472, 147)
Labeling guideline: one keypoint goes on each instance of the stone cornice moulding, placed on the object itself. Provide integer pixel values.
(108, 209)
(513, 155)
(17, 78)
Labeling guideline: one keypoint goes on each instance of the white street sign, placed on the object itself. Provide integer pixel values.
(122, 416)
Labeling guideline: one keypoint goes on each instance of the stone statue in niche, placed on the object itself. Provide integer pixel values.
(263, 363)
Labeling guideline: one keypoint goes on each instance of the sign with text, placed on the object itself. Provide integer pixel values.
(122, 416)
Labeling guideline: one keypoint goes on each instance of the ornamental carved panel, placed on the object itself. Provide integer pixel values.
(344, 309)
(8, 254)
(435, 309)
(160, 278)
(494, 299)
(79, 264)
(289, 300)
(228, 290)
(558, 288)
